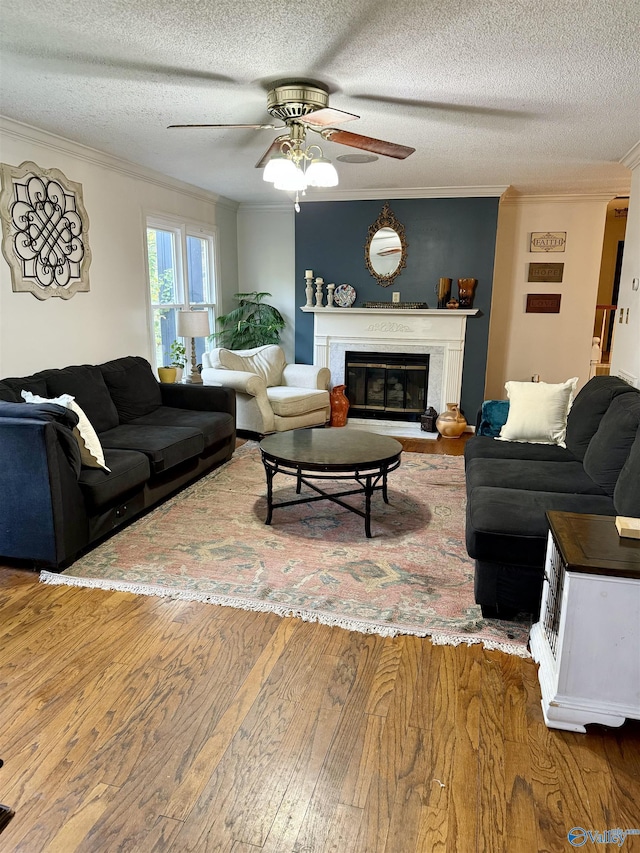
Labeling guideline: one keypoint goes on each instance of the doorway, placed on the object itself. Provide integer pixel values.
(608, 285)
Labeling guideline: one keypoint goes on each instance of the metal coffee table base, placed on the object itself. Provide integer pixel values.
(370, 479)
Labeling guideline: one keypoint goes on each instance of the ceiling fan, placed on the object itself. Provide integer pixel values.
(305, 106)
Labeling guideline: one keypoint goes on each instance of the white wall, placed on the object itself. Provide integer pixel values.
(555, 346)
(266, 261)
(111, 320)
(625, 361)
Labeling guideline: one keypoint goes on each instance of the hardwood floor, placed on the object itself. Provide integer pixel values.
(139, 724)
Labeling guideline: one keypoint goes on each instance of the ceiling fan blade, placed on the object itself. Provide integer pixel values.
(327, 116)
(464, 109)
(367, 143)
(251, 126)
(107, 65)
(271, 150)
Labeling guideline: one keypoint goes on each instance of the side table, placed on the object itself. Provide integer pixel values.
(587, 641)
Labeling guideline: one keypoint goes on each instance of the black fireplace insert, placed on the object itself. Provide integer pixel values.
(389, 386)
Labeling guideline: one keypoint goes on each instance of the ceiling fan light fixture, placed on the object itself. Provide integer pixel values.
(277, 165)
(290, 178)
(321, 173)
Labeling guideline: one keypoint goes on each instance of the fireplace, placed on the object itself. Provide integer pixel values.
(436, 333)
(389, 386)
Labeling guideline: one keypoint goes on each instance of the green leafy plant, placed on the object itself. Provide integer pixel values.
(252, 324)
(178, 354)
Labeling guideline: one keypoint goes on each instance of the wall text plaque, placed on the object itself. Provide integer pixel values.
(543, 303)
(546, 272)
(548, 241)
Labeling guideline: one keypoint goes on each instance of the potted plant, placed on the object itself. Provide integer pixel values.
(173, 372)
(178, 353)
(167, 374)
(252, 324)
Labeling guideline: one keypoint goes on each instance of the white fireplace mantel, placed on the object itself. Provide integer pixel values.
(438, 332)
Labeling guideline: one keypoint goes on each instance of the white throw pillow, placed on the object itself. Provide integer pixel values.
(538, 411)
(91, 452)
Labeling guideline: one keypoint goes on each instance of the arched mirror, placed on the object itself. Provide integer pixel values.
(385, 252)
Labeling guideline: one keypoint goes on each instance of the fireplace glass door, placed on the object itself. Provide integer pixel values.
(387, 385)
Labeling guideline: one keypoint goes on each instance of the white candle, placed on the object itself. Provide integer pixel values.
(319, 280)
(308, 273)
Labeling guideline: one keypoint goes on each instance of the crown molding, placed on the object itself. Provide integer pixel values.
(35, 135)
(408, 192)
(632, 158)
(560, 198)
(276, 206)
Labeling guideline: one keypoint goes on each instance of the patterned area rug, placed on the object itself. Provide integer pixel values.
(210, 543)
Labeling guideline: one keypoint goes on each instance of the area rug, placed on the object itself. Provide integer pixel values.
(210, 543)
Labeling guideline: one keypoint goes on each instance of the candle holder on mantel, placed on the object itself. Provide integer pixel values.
(330, 289)
(308, 288)
(319, 294)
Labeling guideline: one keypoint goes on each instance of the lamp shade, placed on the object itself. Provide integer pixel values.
(275, 167)
(291, 179)
(193, 324)
(321, 173)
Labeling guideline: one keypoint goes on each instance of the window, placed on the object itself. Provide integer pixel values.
(181, 261)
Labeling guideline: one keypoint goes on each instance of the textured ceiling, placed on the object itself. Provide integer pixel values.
(540, 95)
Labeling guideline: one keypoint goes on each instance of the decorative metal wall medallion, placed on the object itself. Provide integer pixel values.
(44, 231)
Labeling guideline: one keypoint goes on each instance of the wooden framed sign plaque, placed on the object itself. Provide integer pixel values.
(551, 273)
(543, 303)
(548, 241)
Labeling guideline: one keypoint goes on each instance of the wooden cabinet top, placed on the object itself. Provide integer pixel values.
(590, 544)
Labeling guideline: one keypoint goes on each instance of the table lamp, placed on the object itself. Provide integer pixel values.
(193, 324)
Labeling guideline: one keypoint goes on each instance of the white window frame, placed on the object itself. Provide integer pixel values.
(182, 229)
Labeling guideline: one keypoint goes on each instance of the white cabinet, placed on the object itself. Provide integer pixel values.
(587, 641)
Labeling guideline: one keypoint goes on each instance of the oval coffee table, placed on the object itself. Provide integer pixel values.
(331, 454)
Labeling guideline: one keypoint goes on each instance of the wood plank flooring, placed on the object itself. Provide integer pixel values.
(140, 724)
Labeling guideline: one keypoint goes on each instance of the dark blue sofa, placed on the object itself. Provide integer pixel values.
(156, 439)
(511, 485)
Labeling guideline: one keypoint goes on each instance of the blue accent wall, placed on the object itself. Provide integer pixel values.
(446, 237)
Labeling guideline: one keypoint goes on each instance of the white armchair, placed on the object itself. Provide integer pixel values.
(271, 395)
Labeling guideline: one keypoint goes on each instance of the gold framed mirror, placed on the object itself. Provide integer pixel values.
(385, 252)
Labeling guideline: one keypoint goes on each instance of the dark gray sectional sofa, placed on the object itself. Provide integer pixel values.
(156, 439)
(511, 485)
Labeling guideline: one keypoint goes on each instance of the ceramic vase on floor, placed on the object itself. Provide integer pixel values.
(339, 406)
(451, 423)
